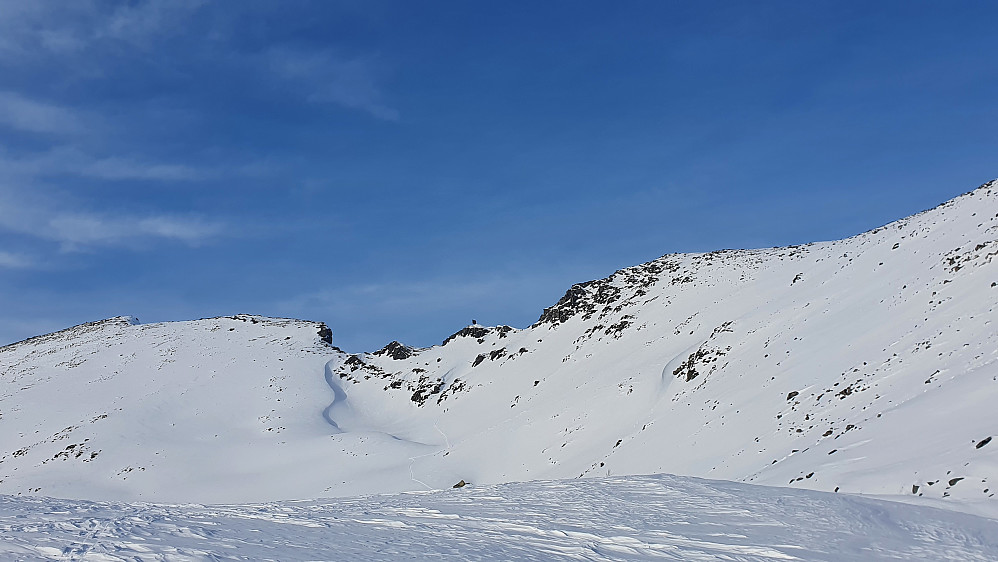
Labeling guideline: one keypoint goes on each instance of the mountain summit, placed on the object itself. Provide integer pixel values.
(863, 365)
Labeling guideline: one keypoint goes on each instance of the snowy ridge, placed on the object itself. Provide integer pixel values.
(866, 365)
(863, 365)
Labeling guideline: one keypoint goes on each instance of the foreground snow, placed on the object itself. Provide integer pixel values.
(618, 518)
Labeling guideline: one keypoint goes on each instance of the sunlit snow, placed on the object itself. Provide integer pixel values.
(617, 518)
(862, 366)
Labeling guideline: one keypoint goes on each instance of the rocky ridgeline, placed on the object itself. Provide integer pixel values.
(602, 297)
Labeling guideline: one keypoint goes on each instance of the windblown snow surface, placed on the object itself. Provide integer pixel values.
(860, 366)
(615, 518)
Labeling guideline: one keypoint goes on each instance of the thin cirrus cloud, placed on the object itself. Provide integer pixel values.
(10, 260)
(122, 169)
(29, 208)
(137, 23)
(23, 114)
(31, 211)
(71, 161)
(29, 30)
(324, 77)
(77, 231)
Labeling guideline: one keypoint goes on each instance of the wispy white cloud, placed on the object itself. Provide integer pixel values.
(139, 22)
(80, 230)
(41, 217)
(82, 35)
(29, 30)
(24, 114)
(68, 160)
(14, 261)
(325, 77)
(122, 169)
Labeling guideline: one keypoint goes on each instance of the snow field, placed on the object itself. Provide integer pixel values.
(617, 518)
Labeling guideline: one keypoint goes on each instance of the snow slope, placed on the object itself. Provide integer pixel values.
(616, 518)
(115, 409)
(865, 365)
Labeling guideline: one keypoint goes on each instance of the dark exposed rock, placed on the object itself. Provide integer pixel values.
(426, 388)
(325, 334)
(467, 331)
(567, 306)
(355, 362)
(703, 357)
(478, 360)
(460, 484)
(396, 350)
(616, 329)
(982, 442)
(790, 396)
(595, 297)
(457, 386)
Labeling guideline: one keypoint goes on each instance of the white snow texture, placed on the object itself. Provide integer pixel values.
(861, 366)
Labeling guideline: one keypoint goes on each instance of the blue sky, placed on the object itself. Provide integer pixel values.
(396, 169)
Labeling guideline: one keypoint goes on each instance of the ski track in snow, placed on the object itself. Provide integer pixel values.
(619, 518)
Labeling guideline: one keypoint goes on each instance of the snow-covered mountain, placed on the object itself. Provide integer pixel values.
(865, 365)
